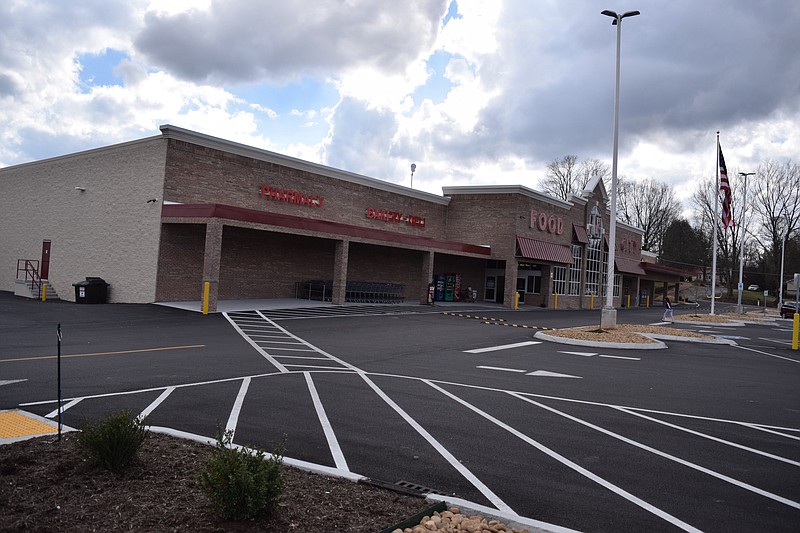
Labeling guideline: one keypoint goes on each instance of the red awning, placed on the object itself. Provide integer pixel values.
(543, 251)
(629, 266)
(580, 234)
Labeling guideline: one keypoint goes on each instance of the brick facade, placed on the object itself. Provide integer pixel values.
(255, 224)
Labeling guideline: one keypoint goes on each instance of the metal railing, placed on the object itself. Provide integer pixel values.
(30, 269)
(355, 291)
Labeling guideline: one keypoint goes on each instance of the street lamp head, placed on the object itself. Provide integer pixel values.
(745, 174)
(617, 17)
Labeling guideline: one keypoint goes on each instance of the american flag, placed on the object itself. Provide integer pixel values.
(725, 187)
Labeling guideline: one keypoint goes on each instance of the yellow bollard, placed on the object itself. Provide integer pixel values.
(555, 301)
(516, 300)
(795, 330)
(591, 301)
(44, 293)
(629, 302)
(206, 288)
(647, 300)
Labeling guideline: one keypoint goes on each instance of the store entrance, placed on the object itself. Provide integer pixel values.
(501, 289)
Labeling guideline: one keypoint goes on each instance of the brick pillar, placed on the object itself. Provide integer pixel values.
(511, 282)
(427, 276)
(211, 261)
(340, 272)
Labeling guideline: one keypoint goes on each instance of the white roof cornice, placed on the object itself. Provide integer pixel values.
(505, 189)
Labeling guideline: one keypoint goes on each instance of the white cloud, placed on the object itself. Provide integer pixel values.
(490, 97)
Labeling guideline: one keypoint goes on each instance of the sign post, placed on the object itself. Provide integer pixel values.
(60, 413)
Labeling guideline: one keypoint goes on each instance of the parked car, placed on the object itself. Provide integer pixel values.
(788, 309)
(752, 288)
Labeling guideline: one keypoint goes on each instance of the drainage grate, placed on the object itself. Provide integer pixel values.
(418, 489)
(403, 487)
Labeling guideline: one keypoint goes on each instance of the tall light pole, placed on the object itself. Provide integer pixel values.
(608, 318)
(784, 238)
(739, 308)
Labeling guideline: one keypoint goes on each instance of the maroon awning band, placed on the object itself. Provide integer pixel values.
(580, 234)
(629, 266)
(543, 251)
(169, 211)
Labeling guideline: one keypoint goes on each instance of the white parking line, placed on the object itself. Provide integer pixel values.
(778, 341)
(158, 401)
(444, 452)
(665, 455)
(769, 354)
(501, 369)
(73, 403)
(503, 347)
(233, 419)
(620, 357)
(566, 462)
(330, 436)
(710, 437)
(582, 354)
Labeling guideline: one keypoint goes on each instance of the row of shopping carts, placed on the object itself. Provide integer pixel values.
(372, 292)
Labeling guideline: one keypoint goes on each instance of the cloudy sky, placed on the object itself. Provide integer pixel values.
(472, 91)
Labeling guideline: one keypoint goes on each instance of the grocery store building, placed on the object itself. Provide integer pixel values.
(164, 218)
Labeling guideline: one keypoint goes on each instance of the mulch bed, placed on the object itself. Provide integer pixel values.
(46, 485)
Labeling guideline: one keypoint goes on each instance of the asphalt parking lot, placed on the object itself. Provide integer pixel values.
(693, 437)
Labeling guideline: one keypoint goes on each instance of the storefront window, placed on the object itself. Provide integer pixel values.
(575, 270)
(616, 285)
(559, 280)
(535, 284)
(593, 267)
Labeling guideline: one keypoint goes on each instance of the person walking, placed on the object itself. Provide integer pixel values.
(667, 310)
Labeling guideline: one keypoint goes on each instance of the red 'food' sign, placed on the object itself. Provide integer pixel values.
(545, 222)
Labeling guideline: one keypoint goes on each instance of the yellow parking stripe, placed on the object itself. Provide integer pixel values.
(38, 357)
(14, 425)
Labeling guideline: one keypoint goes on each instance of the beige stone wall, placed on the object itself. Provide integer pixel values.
(109, 230)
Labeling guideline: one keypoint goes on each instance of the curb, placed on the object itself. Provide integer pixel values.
(718, 324)
(510, 519)
(657, 345)
(682, 338)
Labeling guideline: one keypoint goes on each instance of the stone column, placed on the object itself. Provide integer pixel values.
(211, 262)
(427, 275)
(340, 272)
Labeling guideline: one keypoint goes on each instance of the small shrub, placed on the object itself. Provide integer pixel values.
(242, 484)
(113, 443)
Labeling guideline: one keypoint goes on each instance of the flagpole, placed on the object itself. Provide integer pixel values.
(714, 222)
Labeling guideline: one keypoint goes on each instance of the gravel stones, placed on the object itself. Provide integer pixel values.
(452, 521)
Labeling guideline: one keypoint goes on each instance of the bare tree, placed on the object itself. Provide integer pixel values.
(708, 212)
(561, 177)
(776, 206)
(648, 205)
(589, 168)
(567, 176)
